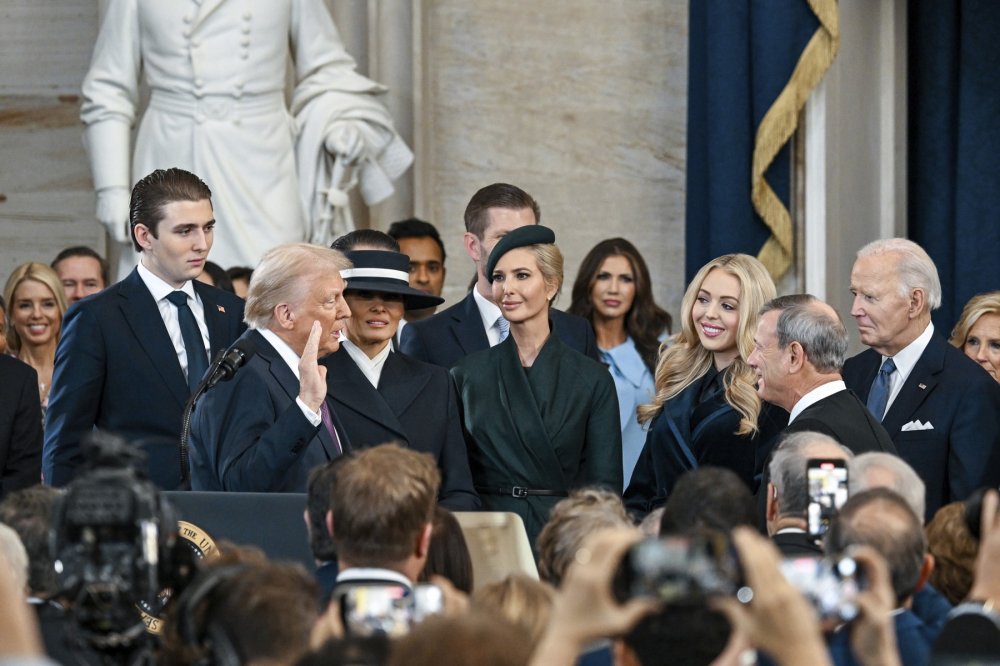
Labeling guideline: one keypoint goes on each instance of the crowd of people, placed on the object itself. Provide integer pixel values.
(595, 426)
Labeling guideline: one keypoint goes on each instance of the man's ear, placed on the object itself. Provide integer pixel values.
(918, 303)
(925, 571)
(142, 235)
(284, 317)
(329, 523)
(424, 541)
(772, 502)
(471, 243)
(796, 356)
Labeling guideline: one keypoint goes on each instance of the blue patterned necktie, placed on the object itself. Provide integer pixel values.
(878, 397)
(504, 327)
(194, 345)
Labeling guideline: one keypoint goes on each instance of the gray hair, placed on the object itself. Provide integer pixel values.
(916, 269)
(281, 277)
(824, 338)
(788, 469)
(14, 556)
(905, 481)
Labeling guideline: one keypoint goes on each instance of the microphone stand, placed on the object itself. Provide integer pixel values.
(186, 421)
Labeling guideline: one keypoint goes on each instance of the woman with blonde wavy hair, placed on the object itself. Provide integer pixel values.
(706, 410)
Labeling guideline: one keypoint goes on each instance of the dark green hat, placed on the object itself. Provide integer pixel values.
(532, 234)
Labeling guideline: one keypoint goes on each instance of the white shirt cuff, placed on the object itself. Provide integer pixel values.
(310, 415)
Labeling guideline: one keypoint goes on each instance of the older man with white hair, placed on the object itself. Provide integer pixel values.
(267, 427)
(941, 409)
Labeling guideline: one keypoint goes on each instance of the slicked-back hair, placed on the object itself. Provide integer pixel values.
(903, 547)
(824, 338)
(497, 195)
(916, 269)
(383, 497)
(414, 227)
(88, 253)
(787, 469)
(160, 188)
(283, 276)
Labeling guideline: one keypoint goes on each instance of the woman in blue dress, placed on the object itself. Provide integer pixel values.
(613, 292)
(706, 410)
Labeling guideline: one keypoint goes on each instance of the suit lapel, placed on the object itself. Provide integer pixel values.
(215, 319)
(467, 327)
(917, 386)
(401, 383)
(348, 386)
(286, 379)
(205, 9)
(142, 314)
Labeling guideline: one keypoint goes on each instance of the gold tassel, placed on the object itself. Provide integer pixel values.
(778, 126)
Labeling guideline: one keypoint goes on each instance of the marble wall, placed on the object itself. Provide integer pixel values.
(581, 103)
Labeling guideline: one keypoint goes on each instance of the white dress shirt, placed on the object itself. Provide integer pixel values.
(905, 360)
(489, 312)
(168, 311)
(814, 396)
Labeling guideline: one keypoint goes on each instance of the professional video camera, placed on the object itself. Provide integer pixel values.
(113, 542)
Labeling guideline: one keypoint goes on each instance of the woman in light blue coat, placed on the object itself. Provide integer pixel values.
(613, 292)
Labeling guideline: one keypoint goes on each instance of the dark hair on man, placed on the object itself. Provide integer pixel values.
(160, 188)
(469, 638)
(350, 650)
(497, 195)
(645, 321)
(28, 512)
(690, 634)
(372, 239)
(319, 498)
(708, 497)
(882, 519)
(803, 320)
(383, 497)
(239, 273)
(448, 554)
(414, 227)
(84, 251)
(220, 279)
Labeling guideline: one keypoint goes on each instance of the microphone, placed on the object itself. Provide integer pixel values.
(233, 360)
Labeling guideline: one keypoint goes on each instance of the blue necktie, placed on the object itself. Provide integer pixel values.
(194, 344)
(878, 397)
(504, 326)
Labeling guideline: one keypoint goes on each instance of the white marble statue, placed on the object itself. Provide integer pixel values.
(217, 72)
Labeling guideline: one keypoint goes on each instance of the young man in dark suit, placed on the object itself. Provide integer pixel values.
(940, 407)
(130, 356)
(268, 426)
(475, 323)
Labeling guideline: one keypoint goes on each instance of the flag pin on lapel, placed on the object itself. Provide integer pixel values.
(921, 386)
(222, 309)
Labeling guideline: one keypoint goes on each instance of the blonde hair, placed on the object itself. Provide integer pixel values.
(523, 601)
(550, 265)
(983, 304)
(39, 273)
(682, 363)
(281, 278)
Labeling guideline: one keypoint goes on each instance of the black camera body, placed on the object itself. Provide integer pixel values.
(112, 541)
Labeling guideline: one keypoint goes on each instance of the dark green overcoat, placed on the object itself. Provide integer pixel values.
(553, 426)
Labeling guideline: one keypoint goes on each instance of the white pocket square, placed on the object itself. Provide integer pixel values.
(917, 425)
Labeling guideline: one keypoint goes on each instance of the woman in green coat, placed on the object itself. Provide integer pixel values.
(541, 419)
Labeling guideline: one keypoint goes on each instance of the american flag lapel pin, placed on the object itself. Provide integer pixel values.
(222, 309)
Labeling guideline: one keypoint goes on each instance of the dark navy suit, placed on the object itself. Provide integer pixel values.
(451, 335)
(416, 405)
(961, 402)
(20, 426)
(116, 369)
(249, 435)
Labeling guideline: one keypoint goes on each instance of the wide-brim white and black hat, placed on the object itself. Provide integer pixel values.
(385, 272)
